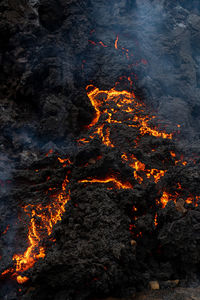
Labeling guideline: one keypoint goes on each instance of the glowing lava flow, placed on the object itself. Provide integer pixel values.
(112, 107)
(117, 183)
(42, 220)
(139, 166)
(122, 108)
(166, 197)
(118, 107)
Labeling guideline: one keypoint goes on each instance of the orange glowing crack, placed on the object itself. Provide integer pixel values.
(156, 220)
(66, 160)
(95, 103)
(102, 44)
(118, 184)
(43, 218)
(177, 161)
(139, 166)
(108, 104)
(116, 42)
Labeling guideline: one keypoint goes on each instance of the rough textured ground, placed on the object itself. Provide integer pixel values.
(49, 52)
(173, 294)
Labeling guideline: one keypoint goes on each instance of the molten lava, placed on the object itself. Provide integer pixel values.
(112, 108)
(42, 220)
(118, 107)
(117, 183)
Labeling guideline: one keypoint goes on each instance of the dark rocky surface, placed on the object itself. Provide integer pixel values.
(172, 294)
(49, 52)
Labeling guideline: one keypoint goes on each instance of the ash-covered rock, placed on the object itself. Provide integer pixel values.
(110, 241)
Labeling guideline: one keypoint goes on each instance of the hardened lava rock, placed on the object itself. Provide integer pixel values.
(110, 241)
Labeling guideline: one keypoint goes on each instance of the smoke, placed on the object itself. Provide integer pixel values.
(8, 211)
(166, 34)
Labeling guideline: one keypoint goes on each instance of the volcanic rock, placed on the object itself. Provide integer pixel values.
(133, 177)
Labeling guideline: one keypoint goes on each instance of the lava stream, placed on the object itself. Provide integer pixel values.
(42, 220)
(117, 183)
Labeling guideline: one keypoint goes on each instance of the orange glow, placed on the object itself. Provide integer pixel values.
(66, 160)
(108, 105)
(6, 272)
(157, 174)
(164, 199)
(42, 220)
(21, 279)
(113, 110)
(189, 200)
(106, 140)
(172, 154)
(145, 129)
(102, 44)
(156, 220)
(179, 186)
(83, 140)
(139, 166)
(184, 163)
(5, 231)
(95, 103)
(117, 183)
(50, 152)
(116, 42)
